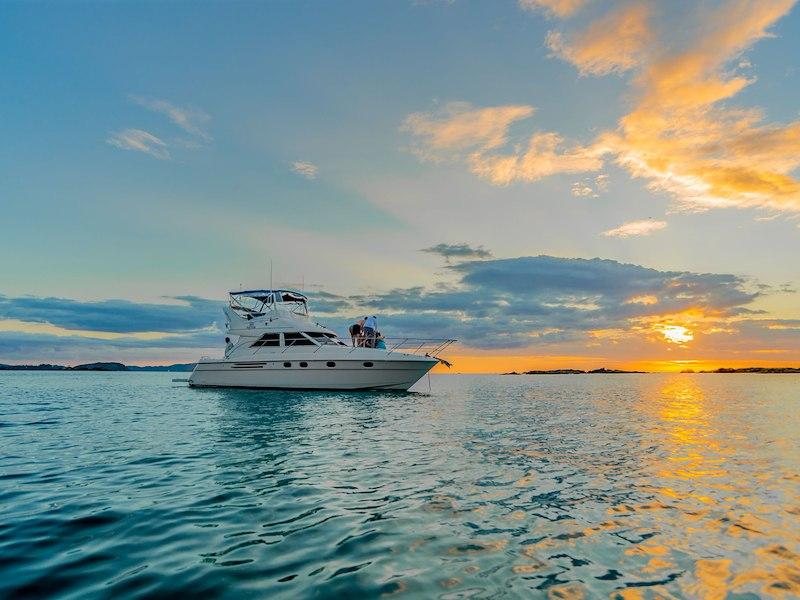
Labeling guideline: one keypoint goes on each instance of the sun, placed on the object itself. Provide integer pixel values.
(677, 334)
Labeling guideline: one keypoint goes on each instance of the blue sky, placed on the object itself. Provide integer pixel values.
(152, 151)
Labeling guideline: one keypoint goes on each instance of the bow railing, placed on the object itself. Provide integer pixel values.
(408, 345)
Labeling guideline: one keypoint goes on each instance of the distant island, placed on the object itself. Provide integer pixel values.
(749, 370)
(616, 371)
(98, 366)
(572, 372)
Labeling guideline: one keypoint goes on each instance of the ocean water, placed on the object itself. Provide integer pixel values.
(124, 485)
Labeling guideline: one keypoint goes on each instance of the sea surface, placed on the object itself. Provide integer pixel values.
(125, 485)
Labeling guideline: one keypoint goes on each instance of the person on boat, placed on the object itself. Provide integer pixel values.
(355, 333)
(370, 327)
(380, 342)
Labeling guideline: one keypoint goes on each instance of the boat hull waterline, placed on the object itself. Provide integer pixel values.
(345, 375)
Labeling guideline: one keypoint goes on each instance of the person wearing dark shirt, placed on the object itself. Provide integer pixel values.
(355, 333)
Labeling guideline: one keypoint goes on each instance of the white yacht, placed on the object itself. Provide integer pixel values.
(273, 343)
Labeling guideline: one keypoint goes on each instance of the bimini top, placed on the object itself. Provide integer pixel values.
(267, 296)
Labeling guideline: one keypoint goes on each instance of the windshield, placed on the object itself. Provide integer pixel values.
(258, 303)
(250, 303)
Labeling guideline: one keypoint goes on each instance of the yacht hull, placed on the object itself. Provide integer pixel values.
(386, 374)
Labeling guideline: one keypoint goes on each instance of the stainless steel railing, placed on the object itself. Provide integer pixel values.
(408, 345)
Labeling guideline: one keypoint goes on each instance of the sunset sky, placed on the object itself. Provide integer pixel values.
(556, 183)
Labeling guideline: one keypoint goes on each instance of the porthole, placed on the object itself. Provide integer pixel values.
(330, 363)
(287, 364)
(367, 364)
(304, 364)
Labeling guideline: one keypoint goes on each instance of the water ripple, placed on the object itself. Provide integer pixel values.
(124, 485)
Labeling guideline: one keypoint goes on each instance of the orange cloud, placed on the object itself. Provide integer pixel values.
(685, 143)
(678, 135)
(542, 157)
(647, 300)
(558, 8)
(615, 43)
(460, 126)
(474, 135)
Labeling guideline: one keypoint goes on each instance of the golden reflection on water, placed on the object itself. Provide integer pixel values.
(683, 501)
(569, 591)
(696, 451)
(710, 499)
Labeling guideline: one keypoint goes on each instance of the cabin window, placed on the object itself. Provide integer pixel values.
(323, 338)
(319, 334)
(296, 339)
(304, 364)
(330, 363)
(268, 339)
(368, 364)
(287, 364)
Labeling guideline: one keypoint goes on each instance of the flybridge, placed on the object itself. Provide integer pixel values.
(271, 295)
(254, 303)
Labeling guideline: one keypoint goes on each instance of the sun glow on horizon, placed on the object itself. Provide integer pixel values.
(676, 334)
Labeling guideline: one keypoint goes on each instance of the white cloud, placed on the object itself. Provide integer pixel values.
(140, 141)
(582, 190)
(191, 120)
(460, 126)
(636, 228)
(305, 169)
(590, 189)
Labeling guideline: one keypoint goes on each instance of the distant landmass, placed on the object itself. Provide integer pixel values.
(98, 366)
(749, 370)
(572, 372)
(615, 371)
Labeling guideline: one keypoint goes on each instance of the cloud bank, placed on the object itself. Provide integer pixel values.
(115, 316)
(536, 301)
(533, 304)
